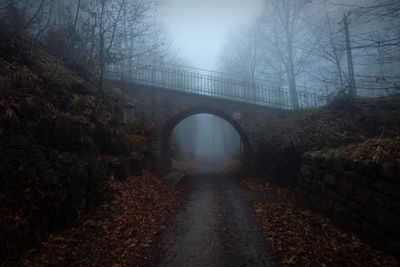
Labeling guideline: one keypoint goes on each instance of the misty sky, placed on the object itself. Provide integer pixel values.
(199, 27)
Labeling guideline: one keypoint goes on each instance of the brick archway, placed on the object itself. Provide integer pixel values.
(163, 109)
(169, 126)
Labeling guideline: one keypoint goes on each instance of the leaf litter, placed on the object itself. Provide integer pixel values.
(300, 237)
(122, 232)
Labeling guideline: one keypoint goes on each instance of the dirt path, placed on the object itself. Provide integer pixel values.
(216, 227)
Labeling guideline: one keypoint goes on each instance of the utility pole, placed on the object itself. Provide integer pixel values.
(352, 83)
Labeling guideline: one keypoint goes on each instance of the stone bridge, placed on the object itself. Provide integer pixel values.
(163, 109)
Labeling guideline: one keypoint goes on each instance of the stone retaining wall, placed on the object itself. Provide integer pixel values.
(361, 197)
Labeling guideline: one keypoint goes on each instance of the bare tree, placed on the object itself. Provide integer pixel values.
(242, 55)
(109, 16)
(330, 49)
(285, 33)
(95, 34)
(376, 45)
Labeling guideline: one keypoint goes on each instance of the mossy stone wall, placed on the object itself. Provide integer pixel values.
(360, 196)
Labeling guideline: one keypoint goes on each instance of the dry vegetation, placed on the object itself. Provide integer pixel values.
(59, 142)
(118, 233)
(343, 122)
(300, 237)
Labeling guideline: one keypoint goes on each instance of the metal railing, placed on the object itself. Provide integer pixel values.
(216, 84)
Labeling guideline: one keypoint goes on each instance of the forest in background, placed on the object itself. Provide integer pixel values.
(321, 47)
(329, 46)
(92, 35)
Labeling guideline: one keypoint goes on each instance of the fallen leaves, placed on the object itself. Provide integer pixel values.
(137, 139)
(184, 166)
(232, 165)
(262, 186)
(343, 122)
(119, 233)
(299, 237)
(340, 123)
(372, 150)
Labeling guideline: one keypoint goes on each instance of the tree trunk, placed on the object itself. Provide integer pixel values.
(291, 73)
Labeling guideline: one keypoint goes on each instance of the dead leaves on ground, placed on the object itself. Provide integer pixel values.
(342, 122)
(299, 237)
(262, 186)
(372, 150)
(119, 233)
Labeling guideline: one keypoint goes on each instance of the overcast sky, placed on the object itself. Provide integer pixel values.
(199, 27)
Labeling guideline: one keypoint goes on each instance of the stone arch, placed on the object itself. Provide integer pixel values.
(171, 123)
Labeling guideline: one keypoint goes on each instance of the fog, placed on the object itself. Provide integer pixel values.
(206, 143)
(199, 28)
(313, 54)
(330, 47)
(300, 103)
(286, 54)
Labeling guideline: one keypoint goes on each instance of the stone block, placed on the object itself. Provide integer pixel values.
(352, 225)
(378, 185)
(309, 200)
(340, 214)
(305, 179)
(362, 195)
(340, 199)
(392, 190)
(371, 168)
(346, 219)
(308, 157)
(388, 188)
(358, 210)
(354, 176)
(354, 206)
(379, 201)
(321, 193)
(357, 166)
(389, 221)
(394, 205)
(319, 173)
(319, 204)
(337, 169)
(329, 204)
(393, 244)
(345, 185)
(373, 233)
(367, 180)
(306, 171)
(356, 217)
(329, 179)
(307, 187)
(320, 187)
(397, 173)
(387, 171)
(335, 196)
(336, 158)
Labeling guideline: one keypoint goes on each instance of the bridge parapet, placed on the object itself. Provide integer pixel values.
(217, 84)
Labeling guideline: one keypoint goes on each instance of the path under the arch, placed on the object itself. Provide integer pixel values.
(216, 227)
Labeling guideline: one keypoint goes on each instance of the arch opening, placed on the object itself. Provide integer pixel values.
(204, 141)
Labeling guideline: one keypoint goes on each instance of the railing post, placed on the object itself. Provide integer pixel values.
(215, 85)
